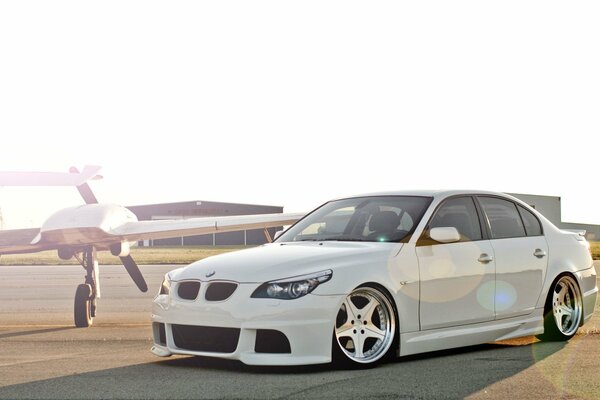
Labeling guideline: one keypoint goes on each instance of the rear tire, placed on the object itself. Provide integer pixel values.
(83, 306)
(563, 312)
(366, 330)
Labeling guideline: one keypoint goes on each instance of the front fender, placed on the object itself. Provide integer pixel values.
(397, 272)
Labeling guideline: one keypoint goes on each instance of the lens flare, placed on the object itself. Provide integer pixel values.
(485, 295)
(506, 296)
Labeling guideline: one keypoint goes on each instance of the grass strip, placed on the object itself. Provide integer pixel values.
(142, 255)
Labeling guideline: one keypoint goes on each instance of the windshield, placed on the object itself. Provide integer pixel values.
(363, 219)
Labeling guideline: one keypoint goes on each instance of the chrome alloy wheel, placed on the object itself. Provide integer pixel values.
(567, 305)
(365, 325)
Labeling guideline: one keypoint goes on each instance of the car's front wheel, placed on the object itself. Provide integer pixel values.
(365, 328)
(563, 311)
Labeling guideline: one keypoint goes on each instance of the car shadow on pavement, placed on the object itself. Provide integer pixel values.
(450, 374)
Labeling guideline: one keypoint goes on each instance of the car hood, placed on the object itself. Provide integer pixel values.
(284, 260)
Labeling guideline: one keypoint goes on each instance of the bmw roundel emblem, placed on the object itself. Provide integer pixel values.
(211, 273)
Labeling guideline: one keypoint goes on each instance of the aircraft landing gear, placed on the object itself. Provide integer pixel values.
(88, 292)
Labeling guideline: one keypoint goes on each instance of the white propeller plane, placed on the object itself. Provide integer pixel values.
(84, 230)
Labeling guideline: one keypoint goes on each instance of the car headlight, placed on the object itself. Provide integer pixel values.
(165, 287)
(292, 288)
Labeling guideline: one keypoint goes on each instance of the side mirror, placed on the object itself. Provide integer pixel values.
(447, 234)
(277, 234)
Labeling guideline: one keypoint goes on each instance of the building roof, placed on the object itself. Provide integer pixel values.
(199, 208)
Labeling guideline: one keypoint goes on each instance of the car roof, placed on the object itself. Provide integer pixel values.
(430, 193)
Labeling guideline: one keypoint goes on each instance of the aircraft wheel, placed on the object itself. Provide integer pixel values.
(83, 306)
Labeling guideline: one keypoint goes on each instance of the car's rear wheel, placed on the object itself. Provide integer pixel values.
(365, 328)
(563, 311)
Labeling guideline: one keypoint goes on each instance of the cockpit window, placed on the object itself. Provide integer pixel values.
(364, 219)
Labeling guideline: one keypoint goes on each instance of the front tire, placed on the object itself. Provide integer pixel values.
(365, 328)
(83, 312)
(563, 311)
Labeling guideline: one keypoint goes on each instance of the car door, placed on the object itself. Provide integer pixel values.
(520, 251)
(457, 279)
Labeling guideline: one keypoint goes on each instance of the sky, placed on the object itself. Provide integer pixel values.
(293, 103)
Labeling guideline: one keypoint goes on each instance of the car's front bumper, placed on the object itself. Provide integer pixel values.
(307, 323)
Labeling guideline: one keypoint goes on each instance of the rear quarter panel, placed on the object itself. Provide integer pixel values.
(566, 254)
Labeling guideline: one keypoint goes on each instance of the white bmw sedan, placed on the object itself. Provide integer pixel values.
(368, 278)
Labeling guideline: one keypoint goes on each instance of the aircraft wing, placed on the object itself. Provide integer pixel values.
(102, 236)
(20, 241)
(162, 229)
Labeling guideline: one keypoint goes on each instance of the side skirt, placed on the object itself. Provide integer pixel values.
(469, 335)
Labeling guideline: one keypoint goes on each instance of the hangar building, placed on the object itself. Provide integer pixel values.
(550, 207)
(193, 209)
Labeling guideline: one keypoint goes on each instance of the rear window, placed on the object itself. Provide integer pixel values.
(532, 224)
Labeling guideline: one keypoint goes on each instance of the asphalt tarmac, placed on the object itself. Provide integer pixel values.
(43, 356)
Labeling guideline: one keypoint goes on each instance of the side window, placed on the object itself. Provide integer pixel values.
(460, 213)
(505, 221)
(532, 224)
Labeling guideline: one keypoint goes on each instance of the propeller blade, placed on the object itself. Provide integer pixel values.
(87, 194)
(84, 190)
(134, 272)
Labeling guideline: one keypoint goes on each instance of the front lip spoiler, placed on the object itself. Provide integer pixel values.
(160, 351)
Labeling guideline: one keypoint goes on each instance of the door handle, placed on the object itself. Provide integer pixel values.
(539, 253)
(485, 258)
